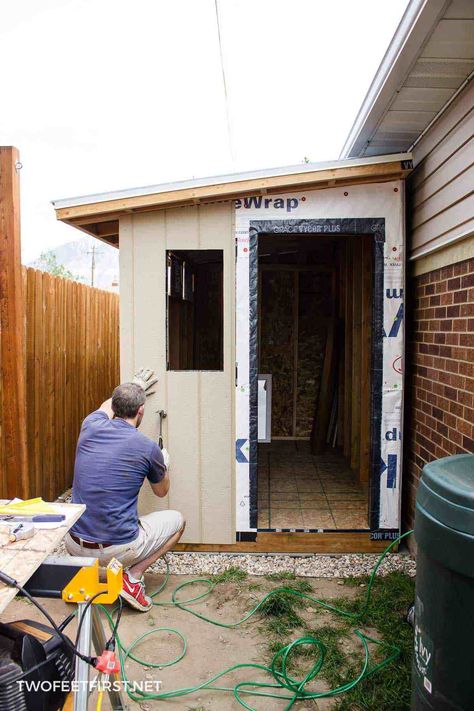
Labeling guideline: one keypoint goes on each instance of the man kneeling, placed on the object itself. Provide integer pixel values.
(112, 461)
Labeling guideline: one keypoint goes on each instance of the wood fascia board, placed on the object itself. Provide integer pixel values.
(293, 182)
(87, 223)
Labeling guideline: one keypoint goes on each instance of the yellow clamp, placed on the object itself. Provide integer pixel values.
(86, 583)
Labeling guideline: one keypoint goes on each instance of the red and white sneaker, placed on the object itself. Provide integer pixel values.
(134, 594)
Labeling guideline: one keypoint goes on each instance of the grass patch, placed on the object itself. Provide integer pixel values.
(279, 611)
(280, 604)
(231, 575)
(283, 575)
(386, 690)
(283, 602)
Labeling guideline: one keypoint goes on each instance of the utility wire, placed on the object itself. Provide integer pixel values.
(227, 112)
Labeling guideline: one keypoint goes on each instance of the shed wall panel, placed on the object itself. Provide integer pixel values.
(202, 460)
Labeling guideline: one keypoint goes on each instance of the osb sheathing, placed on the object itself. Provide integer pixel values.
(294, 309)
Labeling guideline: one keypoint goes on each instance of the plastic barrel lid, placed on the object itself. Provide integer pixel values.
(446, 491)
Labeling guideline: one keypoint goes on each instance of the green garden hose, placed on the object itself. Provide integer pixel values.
(289, 688)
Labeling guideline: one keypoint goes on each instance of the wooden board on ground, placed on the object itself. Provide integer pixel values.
(20, 560)
(331, 542)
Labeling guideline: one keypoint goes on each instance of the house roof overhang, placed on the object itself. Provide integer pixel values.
(99, 214)
(427, 64)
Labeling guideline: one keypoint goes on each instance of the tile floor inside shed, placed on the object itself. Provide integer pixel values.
(299, 490)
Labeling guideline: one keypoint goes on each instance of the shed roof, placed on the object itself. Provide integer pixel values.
(98, 214)
(428, 62)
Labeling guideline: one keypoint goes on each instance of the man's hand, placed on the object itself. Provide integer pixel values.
(166, 458)
(143, 378)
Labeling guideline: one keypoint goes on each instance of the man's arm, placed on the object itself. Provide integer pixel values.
(162, 487)
(158, 475)
(107, 408)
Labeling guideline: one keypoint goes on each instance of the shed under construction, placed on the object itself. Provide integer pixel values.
(270, 305)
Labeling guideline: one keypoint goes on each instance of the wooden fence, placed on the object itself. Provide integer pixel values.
(59, 358)
(72, 366)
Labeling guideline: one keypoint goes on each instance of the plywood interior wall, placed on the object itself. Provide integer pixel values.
(295, 304)
(199, 428)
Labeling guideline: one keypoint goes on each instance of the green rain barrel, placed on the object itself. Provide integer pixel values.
(443, 661)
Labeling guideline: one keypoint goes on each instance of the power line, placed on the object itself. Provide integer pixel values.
(227, 112)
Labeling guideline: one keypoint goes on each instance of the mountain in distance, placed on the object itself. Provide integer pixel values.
(76, 256)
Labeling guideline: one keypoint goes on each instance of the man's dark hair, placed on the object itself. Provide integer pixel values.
(126, 399)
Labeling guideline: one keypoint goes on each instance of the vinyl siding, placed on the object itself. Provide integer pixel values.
(440, 190)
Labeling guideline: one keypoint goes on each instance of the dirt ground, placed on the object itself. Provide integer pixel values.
(210, 648)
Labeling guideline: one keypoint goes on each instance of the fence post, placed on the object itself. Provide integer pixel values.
(13, 460)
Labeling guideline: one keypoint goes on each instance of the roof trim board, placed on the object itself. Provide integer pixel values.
(283, 172)
(98, 214)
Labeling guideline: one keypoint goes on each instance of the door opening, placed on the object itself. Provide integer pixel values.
(314, 340)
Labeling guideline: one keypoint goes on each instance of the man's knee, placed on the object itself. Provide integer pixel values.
(180, 522)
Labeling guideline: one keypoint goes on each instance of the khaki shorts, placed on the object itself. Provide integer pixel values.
(155, 530)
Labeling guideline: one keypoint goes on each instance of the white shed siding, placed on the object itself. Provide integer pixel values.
(199, 429)
(440, 190)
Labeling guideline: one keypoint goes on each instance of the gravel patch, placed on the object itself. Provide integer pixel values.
(307, 566)
(343, 565)
(314, 566)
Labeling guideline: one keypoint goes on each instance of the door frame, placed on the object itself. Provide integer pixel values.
(352, 227)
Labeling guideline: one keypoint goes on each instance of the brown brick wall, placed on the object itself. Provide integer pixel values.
(439, 403)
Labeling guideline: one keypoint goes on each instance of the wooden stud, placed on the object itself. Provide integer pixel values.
(326, 390)
(356, 298)
(366, 328)
(348, 350)
(296, 282)
(341, 269)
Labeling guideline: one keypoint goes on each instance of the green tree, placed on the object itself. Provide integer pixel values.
(48, 262)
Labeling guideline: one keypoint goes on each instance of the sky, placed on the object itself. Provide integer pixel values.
(110, 94)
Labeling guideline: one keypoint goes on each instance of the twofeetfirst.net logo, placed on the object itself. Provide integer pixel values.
(259, 202)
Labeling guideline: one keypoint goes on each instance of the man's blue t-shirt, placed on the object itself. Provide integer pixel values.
(112, 460)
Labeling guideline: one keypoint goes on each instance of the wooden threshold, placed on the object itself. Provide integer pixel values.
(332, 542)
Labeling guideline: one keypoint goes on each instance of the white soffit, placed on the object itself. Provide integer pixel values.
(429, 59)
